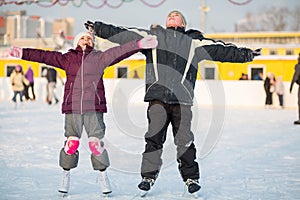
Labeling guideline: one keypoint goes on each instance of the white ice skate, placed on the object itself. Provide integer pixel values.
(104, 183)
(65, 182)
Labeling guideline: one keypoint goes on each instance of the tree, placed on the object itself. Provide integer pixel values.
(275, 19)
(247, 24)
(295, 19)
(271, 19)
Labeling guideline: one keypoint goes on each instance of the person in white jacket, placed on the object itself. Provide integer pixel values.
(17, 80)
(279, 89)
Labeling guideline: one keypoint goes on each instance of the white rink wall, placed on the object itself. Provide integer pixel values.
(229, 93)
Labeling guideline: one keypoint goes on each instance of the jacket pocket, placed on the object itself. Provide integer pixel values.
(69, 93)
(96, 92)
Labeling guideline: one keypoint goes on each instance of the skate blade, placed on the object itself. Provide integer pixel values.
(143, 193)
(195, 195)
(106, 194)
(63, 195)
(189, 195)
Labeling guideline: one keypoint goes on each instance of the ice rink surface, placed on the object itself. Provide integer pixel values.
(244, 153)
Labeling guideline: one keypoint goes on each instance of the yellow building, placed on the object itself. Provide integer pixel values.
(279, 55)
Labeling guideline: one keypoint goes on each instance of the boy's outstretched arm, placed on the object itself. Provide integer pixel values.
(222, 52)
(116, 34)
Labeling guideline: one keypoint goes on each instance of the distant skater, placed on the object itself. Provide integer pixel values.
(30, 77)
(269, 86)
(17, 80)
(52, 76)
(296, 79)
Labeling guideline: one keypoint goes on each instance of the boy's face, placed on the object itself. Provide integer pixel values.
(85, 40)
(174, 20)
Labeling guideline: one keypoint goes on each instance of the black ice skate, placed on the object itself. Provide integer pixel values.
(145, 186)
(297, 122)
(192, 185)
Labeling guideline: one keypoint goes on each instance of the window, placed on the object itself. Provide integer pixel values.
(122, 72)
(9, 69)
(256, 72)
(208, 70)
(273, 52)
(209, 73)
(289, 52)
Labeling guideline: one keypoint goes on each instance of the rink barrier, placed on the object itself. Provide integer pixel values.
(237, 93)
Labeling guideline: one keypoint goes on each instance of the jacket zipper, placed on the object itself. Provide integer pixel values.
(82, 90)
(174, 63)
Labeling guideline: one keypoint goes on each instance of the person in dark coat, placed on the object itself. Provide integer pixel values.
(269, 86)
(52, 75)
(296, 79)
(84, 97)
(171, 71)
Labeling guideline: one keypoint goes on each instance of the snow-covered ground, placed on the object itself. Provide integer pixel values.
(244, 153)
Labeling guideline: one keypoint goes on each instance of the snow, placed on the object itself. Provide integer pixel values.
(243, 152)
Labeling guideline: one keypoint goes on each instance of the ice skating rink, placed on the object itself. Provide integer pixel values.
(243, 152)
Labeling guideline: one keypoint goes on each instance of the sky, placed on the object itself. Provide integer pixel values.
(221, 17)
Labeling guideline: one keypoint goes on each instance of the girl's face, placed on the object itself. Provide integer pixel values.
(85, 40)
(174, 20)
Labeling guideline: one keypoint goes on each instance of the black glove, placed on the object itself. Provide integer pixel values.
(89, 26)
(256, 52)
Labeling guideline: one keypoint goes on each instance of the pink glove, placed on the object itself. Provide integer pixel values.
(148, 42)
(16, 52)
